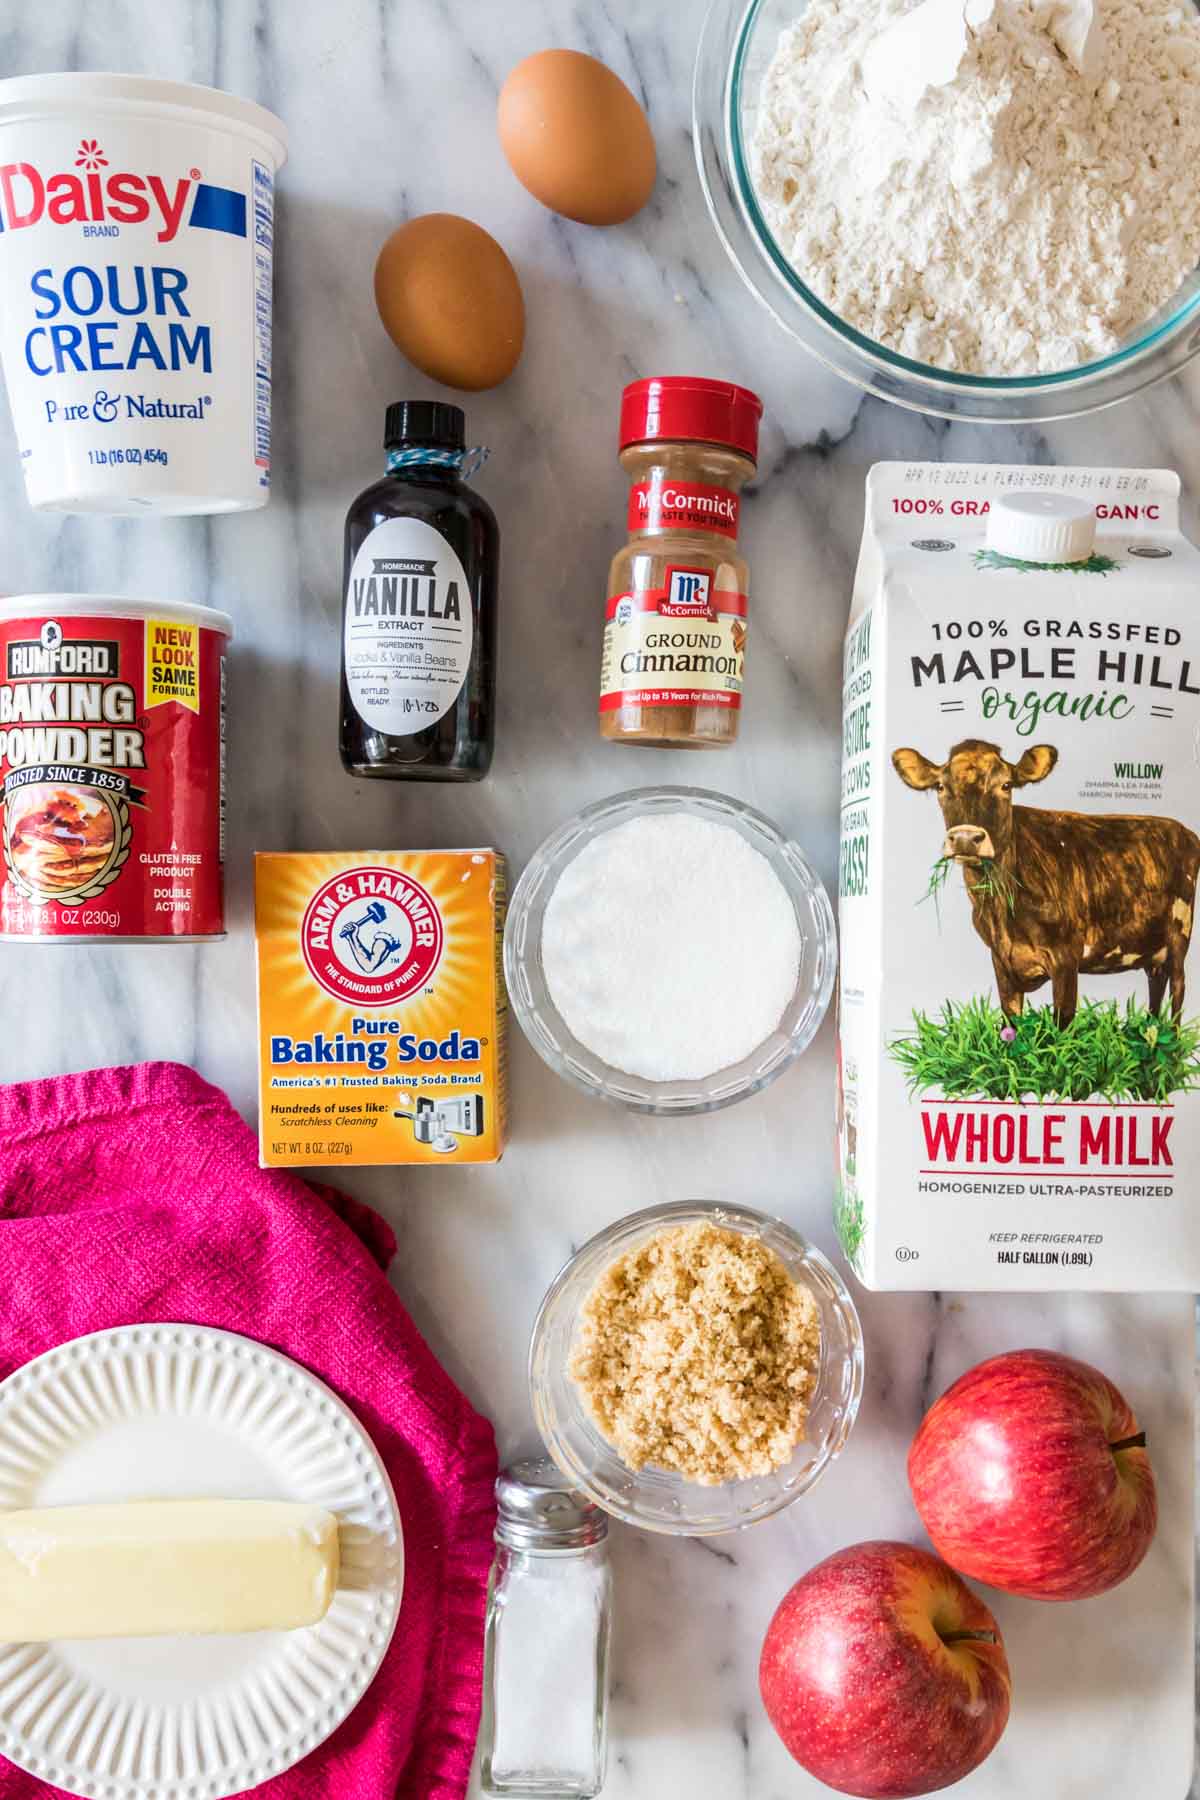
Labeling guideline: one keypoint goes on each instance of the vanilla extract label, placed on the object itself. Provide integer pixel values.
(409, 628)
(405, 587)
(1018, 1100)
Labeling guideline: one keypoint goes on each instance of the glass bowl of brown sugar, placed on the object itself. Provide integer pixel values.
(714, 1443)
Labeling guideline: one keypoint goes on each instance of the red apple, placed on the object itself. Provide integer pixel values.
(1030, 1473)
(884, 1674)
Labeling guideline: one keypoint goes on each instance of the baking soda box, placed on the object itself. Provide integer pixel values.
(1019, 1042)
(381, 1007)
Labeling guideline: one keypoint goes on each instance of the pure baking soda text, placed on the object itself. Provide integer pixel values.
(382, 1012)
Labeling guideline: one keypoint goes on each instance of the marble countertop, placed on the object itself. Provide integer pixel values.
(390, 110)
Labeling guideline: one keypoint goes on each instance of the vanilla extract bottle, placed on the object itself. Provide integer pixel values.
(419, 608)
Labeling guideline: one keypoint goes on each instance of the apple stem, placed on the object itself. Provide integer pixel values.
(968, 1637)
(1138, 1442)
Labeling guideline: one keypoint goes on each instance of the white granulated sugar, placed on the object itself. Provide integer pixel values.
(1001, 187)
(670, 947)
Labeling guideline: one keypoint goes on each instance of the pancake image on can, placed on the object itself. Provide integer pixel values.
(64, 843)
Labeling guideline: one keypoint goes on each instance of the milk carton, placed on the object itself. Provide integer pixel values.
(1019, 1045)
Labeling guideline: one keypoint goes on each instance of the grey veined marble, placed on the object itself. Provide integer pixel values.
(390, 110)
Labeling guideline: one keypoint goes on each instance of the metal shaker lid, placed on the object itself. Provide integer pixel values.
(537, 1510)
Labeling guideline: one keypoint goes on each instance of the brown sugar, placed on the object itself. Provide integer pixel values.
(699, 1353)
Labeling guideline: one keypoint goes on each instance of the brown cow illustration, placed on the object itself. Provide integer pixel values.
(1056, 895)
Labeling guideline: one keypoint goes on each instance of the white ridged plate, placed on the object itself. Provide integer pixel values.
(174, 1412)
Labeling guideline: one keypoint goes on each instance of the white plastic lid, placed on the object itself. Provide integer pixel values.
(1042, 528)
(30, 96)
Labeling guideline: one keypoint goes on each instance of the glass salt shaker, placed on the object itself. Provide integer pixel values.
(549, 1614)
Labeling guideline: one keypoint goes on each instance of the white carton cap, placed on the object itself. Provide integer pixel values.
(1042, 528)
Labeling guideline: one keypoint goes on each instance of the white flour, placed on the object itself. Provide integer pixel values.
(1001, 187)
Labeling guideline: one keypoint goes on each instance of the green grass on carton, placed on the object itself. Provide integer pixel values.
(1106, 1053)
(849, 1223)
(939, 875)
(1094, 565)
(987, 878)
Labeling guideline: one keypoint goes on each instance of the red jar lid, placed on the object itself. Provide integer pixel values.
(690, 409)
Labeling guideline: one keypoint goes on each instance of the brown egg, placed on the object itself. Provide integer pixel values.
(576, 138)
(450, 300)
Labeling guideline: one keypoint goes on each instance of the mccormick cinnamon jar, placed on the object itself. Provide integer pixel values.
(675, 629)
(112, 769)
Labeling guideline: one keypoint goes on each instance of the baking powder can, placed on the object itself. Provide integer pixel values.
(112, 769)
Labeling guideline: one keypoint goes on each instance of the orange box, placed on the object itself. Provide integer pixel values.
(381, 1007)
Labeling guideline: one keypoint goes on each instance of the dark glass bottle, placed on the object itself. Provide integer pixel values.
(419, 609)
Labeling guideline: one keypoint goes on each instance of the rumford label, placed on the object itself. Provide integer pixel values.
(112, 770)
(382, 1012)
(682, 644)
(1019, 1045)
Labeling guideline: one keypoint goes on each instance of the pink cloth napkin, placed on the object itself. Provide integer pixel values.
(133, 1195)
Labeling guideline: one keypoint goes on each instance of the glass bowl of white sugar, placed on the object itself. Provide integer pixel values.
(1009, 237)
(669, 950)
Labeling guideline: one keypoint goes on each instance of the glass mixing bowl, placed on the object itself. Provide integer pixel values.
(736, 46)
(656, 1499)
(544, 1025)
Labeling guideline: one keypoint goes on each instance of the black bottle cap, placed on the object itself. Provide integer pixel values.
(425, 422)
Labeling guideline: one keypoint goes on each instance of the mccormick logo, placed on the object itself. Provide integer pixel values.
(372, 937)
(94, 194)
(687, 594)
(698, 501)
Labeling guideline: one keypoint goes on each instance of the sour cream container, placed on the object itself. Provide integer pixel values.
(136, 253)
(112, 769)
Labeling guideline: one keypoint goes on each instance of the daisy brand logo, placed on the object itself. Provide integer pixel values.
(102, 199)
(372, 936)
(90, 155)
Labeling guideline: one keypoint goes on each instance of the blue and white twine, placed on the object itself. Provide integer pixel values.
(463, 462)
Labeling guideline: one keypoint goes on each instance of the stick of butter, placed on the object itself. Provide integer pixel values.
(164, 1566)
